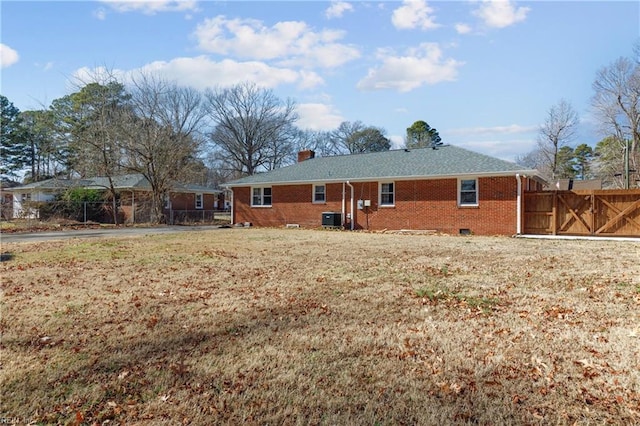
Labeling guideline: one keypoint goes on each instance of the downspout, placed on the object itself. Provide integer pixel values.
(232, 208)
(344, 207)
(519, 205)
(133, 206)
(351, 222)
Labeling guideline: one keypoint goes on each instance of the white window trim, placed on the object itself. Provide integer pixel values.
(200, 205)
(380, 194)
(313, 193)
(460, 204)
(261, 188)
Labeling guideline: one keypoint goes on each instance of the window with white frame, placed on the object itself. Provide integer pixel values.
(25, 196)
(261, 196)
(199, 201)
(387, 194)
(319, 193)
(468, 192)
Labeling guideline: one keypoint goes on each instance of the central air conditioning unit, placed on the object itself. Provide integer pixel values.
(331, 219)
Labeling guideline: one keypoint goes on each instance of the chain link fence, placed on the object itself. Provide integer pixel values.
(36, 214)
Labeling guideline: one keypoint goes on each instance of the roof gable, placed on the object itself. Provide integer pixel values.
(422, 163)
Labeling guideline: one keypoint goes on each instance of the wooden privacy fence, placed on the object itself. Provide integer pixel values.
(586, 212)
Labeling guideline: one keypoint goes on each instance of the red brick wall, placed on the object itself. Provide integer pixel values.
(290, 204)
(419, 205)
(184, 201)
(179, 201)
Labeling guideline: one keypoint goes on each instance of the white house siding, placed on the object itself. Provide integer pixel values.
(19, 211)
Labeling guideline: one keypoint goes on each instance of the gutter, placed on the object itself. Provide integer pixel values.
(390, 178)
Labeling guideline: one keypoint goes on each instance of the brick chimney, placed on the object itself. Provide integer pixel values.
(307, 154)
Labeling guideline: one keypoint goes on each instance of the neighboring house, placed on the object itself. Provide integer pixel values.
(448, 189)
(6, 198)
(134, 193)
(575, 184)
(26, 197)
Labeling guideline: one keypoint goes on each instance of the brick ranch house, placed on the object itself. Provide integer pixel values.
(448, 189)
(134, 192)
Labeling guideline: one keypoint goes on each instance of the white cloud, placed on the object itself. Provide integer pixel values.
(8, 56)
(309, 80)
(505, 149)
(85, 75)
(419, 66)
(414, 14)
(501, 13)
(100, 14)
(201, 73)
(290, 42)
(510, 129)
(337, 9)
(397, 141)
(505, 142)
(318, 116)
(462, 28)
(151, 7)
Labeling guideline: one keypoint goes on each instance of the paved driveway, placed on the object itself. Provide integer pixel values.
(97, 233)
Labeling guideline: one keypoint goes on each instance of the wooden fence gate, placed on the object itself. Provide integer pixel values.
(586, 212)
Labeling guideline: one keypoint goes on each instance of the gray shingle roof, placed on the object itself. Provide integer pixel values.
(130, 181)
(446, 161)
(45, 185)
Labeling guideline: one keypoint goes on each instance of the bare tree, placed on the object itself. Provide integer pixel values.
(369, 139)
(355, 137)
(340, 137)
(163, 135)
(534, 159)
(252, 127)
(318, 141)
(558, 130)
(616, 102)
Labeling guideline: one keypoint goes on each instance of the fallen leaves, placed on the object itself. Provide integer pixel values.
(286, 328)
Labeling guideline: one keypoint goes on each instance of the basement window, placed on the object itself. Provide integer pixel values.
(468, 192)
(261, 197)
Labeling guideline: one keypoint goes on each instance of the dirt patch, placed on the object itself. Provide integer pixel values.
(265, 326)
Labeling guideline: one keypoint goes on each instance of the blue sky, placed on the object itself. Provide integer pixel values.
(484, 73)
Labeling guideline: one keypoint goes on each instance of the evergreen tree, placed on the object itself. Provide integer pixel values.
(583, 155)
(421, 135)
(566, 163)
(13, 147)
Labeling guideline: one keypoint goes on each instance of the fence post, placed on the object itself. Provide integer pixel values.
(593, 212)
(554, 214)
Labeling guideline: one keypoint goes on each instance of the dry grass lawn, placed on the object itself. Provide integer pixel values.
(266, 326)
